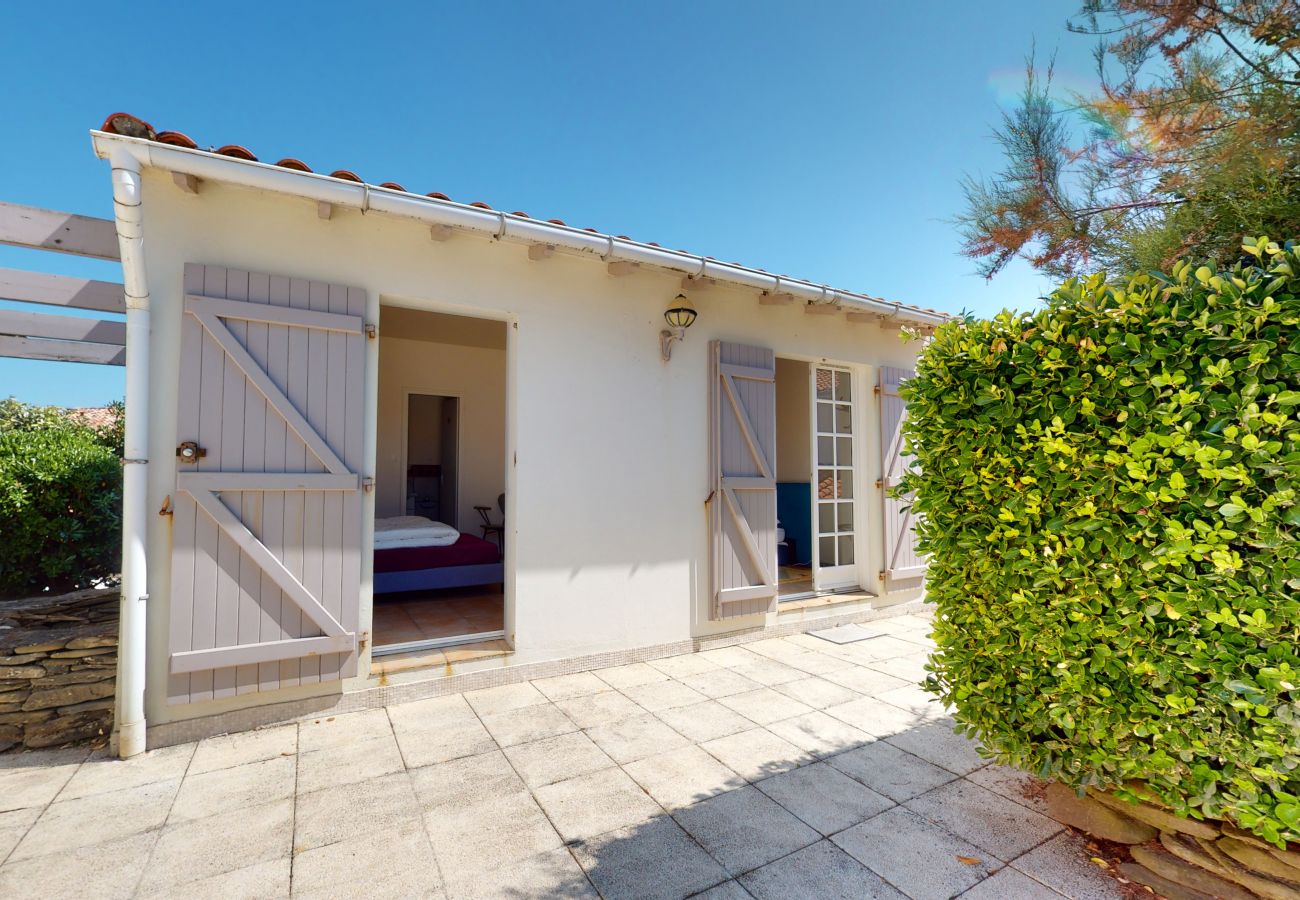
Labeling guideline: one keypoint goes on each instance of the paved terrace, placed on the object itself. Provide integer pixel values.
(786, 768)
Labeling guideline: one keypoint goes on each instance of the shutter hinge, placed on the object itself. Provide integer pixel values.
(371, 330)
(882, 575)
(876, 390)
(367, 484)
(880, 482)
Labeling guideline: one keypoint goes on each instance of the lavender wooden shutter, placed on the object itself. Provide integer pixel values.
(901, 559)
(266, 533)
(742, 508)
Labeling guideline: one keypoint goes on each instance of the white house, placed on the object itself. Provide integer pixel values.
(675, 452)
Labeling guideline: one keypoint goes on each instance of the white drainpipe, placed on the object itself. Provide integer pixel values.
(127, 211)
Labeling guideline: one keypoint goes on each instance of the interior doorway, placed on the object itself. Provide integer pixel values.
(432, 447)
(440, 488)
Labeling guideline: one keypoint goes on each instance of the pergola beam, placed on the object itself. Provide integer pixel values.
(66, 328)
(62, 351)
(46, 229)
(61, 290)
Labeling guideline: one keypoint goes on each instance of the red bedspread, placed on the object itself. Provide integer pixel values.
(467, 551)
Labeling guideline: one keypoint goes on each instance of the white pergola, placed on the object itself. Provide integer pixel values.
(41, 334)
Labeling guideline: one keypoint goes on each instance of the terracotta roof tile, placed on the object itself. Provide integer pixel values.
(237, 152)
(177, 139)
(128, 125)
(93, 416)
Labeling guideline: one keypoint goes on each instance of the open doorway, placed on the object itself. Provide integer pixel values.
(794, 476)
(440, 492)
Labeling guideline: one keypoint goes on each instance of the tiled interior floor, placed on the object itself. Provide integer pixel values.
(793, 580)
(426, 615)
(785, 768)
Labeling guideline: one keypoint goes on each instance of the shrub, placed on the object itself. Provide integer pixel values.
(60, 501)
(1107, 491)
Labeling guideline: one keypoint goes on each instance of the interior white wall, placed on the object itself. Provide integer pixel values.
(793, 421)
(607, 445)
(477, 376)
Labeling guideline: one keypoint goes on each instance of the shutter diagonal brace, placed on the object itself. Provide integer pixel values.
(746, 430)
(729, 373)
(275, 398)
(892, 466)
(894, 453)
(284, 579)
(746, 536)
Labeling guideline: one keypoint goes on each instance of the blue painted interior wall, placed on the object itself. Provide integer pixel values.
(794, 510)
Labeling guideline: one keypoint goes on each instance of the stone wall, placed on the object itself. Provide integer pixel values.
(1181, 859)
(58, 667)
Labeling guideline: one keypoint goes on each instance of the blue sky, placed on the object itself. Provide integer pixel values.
(822, 140)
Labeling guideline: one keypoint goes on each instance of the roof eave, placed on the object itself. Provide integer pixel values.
(494, 223)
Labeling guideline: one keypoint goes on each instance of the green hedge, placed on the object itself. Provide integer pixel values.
(60, 501)
(1107, 491)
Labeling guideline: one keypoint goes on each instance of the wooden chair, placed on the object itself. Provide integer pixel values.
(495, 530)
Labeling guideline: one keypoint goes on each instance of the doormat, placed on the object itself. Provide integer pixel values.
(845, 634)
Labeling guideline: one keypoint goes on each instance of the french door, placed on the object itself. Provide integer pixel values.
(834, 490)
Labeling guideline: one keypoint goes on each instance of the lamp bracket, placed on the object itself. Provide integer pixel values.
(666, 339)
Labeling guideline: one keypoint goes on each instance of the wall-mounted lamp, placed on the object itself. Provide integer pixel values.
(679, 315)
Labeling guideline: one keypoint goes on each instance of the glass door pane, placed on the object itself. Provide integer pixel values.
(834, 489)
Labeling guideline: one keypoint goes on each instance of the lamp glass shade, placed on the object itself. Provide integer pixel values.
(681, 314)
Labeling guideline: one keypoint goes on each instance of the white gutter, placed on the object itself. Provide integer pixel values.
(500, 225)
(130, 720)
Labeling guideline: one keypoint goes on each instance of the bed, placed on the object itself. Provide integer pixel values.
(413, 553)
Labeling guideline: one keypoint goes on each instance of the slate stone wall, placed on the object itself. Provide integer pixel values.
(1182, 859)
(58, 668)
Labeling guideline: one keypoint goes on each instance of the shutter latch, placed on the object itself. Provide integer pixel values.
(190, 452)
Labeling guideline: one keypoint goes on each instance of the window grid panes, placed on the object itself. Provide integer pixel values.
(833, 389)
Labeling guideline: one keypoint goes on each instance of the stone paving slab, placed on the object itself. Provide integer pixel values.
(784, 768)
(821, 870)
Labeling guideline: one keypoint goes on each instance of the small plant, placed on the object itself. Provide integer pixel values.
(1107, 490)
(60, 500)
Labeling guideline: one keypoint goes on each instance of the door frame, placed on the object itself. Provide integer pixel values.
(383, 299)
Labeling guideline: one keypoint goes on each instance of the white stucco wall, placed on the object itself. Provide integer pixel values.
(609, 444)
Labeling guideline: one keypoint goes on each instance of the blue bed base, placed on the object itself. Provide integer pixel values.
(444, 577)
